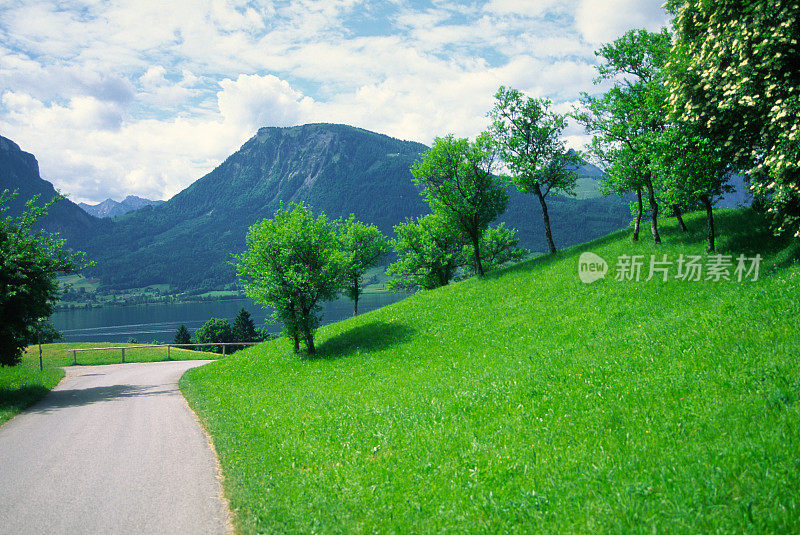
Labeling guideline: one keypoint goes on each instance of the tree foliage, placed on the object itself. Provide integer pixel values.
(29, 262)
(459, 186)
(214, 331)
(499, 245)
(626, 120)
(528, 135)
(429, 252)
(734, 74)
(292, 264)
(363, 247)
(182, 336)
(244, 328)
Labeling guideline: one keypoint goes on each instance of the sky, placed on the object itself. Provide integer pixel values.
(144, 97)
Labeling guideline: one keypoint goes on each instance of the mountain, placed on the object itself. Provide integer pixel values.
(19, 171)
(112, 208)
(188, 240)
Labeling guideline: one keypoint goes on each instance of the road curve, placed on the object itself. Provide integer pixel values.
(112, 449)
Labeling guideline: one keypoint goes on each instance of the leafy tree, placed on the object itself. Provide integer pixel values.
(244, 328)
(132, 340)
(215, 330)
(734, 74)
(182, 336)
(499, 245)
(364, 247)
(292, 263)
(627, 119)
(693, 168)
(29, 262)
(429, 252)
(46, 330)
(528, 135)
(459, 186)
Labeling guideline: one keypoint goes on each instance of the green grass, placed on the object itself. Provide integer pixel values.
(23, 385)
(530, 402)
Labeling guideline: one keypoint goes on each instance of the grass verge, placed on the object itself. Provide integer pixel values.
(530, 402)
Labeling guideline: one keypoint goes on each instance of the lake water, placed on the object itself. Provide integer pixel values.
(158, 322)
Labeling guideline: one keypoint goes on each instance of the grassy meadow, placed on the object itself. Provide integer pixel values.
(530, 402)
(23, 385)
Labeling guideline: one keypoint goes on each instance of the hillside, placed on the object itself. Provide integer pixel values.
(338, 169)
(112, 208)
(530, 402)
(20, 171)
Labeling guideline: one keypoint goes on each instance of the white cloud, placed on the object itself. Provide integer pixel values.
(145, 97)
(602, 21)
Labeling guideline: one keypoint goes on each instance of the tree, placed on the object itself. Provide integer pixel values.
(528, 136)
(364, 247)
(182, 336)
(29, 263)
(429, 252)
(214, 331)
(459, 187)
(693, 168)
(244, 328)
(292, 263)
(734, 75)
(627, 119)
(499, 245)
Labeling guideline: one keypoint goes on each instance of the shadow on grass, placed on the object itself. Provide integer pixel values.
(372, 337)
(17, 399)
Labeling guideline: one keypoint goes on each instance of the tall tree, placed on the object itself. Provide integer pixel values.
(29, 263)
(182, 335)
(693, 168)
(528, 135)
(293, 263)
(460, 187)
(626, 120)
(244, 328)
(734, 74)
(429, 253)
(364, 247)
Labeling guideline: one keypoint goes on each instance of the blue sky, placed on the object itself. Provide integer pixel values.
(144, 96)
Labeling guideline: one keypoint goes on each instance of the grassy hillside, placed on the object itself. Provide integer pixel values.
(530, 402)
(22, 386)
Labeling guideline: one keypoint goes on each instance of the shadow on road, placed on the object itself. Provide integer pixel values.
(59, 399)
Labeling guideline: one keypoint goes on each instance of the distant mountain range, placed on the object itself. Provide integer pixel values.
(20, 171)
(188, 241)
(112, 208)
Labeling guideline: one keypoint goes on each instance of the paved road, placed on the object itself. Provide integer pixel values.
(112, 449)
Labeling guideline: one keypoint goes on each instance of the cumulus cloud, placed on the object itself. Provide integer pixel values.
(602, 21)
(145, 97)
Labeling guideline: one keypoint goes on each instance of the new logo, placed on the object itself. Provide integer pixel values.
(591, 267)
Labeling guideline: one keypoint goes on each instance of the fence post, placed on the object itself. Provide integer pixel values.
(74, 358)
(224, 347)
(123, 355)
(168, 348)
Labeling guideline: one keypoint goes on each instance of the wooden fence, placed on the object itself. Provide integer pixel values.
(168, 346)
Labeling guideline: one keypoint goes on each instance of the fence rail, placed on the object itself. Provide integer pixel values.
(168, 346)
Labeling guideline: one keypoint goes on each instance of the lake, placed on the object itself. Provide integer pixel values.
(158, 322)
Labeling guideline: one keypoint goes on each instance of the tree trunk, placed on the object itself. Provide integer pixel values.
(653, 208)
(476, 253)
(710, 217)
(638, 224)
(355, 306)
(546, 219)
(677, 211)
(296, 337)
